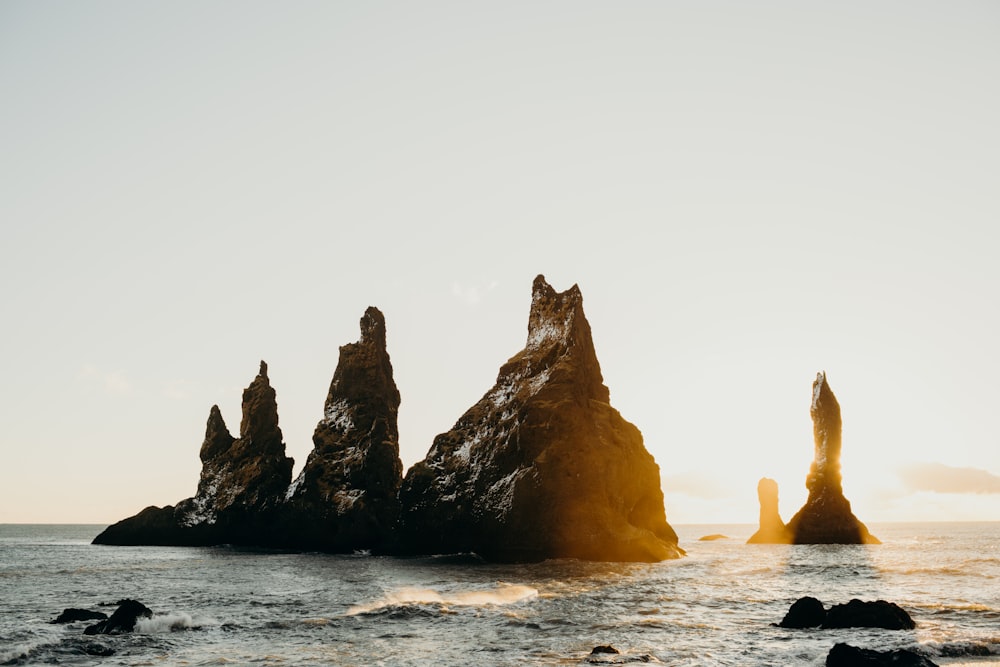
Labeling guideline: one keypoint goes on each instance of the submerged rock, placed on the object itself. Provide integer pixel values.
(826, 517)
(243, 481)
(72, 615)
(845, 655)
(345, 498)
(542, 466)
(772, 529)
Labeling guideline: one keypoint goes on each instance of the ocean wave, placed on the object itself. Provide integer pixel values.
(503, 594)
(976, 648)
(173, 622)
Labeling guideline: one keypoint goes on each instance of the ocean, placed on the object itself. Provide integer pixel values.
(216, 606)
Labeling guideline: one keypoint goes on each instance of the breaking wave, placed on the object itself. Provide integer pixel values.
(502, 594)
(173, 622)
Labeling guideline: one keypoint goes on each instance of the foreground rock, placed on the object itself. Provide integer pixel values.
(826, 517)
(243, 483)
(772, 529)
(845, 655)
(542, 466)
(808, 612)
(122, 620)
(878, 614)
(345, 498)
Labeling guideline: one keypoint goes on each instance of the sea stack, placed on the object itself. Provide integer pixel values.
(772, 529)
(243, 482)
(542, 466)
(345, 498)
(826, 518)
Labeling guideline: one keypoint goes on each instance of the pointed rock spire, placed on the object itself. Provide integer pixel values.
(345, 498)
(217, 436)
(826, 518)
(542, 466)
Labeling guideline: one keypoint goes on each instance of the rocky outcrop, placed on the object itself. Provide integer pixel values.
(542, 466)
(122, 620)
(772, 529)
(826, 518)
(242, 485)
(845, 655)
(345, 498)
(808, 612)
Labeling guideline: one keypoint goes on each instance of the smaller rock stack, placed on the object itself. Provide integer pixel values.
(772, 529)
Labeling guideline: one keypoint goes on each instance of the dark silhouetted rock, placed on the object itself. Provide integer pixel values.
(542, 466)
(845, 655)
(72, 615)
(346, 497)
(826, 518)
(772, 529)
(604, 649)
(806, 612)
(243, 482)
(878, 614)
(122, 620)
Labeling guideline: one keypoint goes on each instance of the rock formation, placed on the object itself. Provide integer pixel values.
(845, 655)
(772, 529)
(826, 518)
(808, 612)
(243, 481)
(542, 466)
(345, 498)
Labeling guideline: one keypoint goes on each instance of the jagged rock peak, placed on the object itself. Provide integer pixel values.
(259, 425)
(217, 436)
(542, 466)
(553, 314)
(373, 327)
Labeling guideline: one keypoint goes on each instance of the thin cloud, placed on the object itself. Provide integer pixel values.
(941, 478)
(471, 294)
(695, 485)
(113, 382)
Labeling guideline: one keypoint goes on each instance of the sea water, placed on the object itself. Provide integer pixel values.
(716, 606)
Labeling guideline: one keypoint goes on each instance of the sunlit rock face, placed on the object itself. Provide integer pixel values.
(826, 518)
(542, 466)
(243, 482)
(772, 529)
(345, 498)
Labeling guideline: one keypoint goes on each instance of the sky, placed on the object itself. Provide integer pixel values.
(746, 194)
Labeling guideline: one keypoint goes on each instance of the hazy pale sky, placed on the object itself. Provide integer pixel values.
(746, 193)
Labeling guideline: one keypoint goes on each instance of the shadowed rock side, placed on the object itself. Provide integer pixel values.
(243, 481)
(826, 518)
(772, 529)
(542, 466)
(345, 498)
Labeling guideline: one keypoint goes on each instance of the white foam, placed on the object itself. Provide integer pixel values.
(172, 622)
(502, 594)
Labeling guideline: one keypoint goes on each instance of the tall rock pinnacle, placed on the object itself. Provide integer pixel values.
(345, 498)
(826, 518)
(542, 466)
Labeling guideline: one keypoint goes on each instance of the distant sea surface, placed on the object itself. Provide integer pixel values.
(715, 607)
